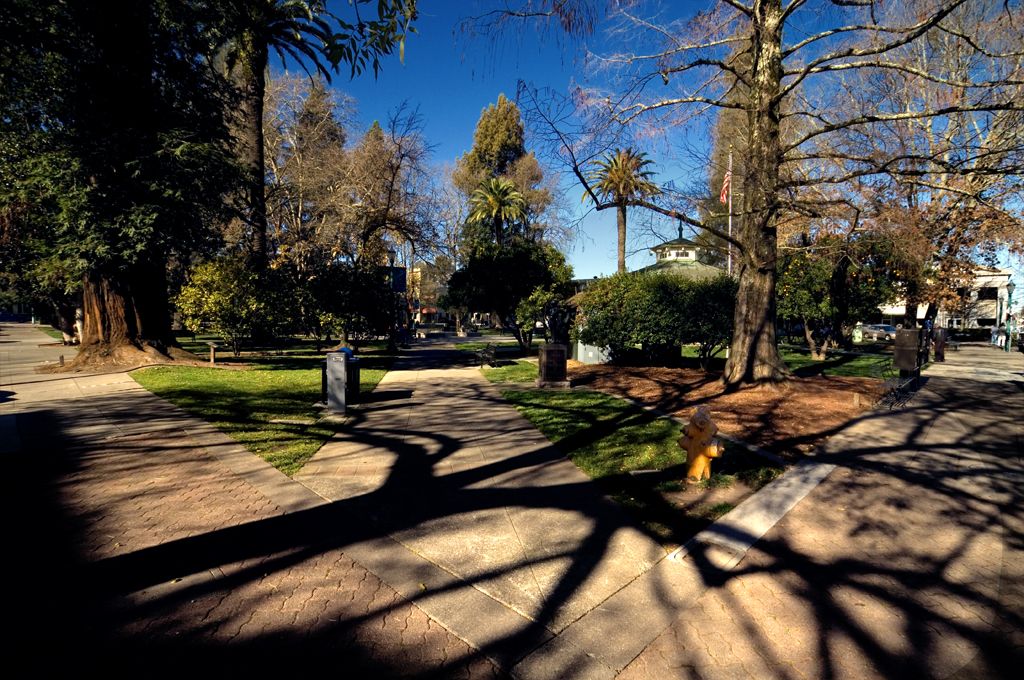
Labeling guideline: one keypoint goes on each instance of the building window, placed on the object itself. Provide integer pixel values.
(987, 322)
(988, 293)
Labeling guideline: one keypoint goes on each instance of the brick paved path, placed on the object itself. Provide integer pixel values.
(141, 542)
(97, 491)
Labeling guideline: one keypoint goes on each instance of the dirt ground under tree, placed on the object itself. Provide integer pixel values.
(788, 419)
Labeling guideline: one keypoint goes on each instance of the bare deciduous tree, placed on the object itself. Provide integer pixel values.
(784, 66)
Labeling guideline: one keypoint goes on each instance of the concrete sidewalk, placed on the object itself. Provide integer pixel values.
(143, 542)
(445, 535)
(471, 491)
(907, 561)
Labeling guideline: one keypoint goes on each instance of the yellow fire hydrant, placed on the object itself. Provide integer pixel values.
(700, 445)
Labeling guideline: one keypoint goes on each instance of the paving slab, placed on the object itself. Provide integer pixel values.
(439, 534)
(111, 473)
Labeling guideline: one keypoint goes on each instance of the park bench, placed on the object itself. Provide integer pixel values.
(896, 389)
(491, 354)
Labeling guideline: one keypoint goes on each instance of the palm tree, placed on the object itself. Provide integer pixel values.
(497, 202)
(619, 178)
(251, 29)
(314, 38)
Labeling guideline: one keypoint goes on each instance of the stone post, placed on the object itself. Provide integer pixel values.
(552, 366)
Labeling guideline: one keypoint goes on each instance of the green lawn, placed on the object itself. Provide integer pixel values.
(510, 345)
(52, 332)
(245, 404)
(288, 348)
(855, 365)
(474, 346)
(801, 363)
(602, 434)
(518, 372)
(608, 438)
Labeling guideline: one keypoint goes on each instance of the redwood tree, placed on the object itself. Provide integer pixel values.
(128, 162)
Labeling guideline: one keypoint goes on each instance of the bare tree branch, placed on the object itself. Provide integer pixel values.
(911, 34)
(910, 115)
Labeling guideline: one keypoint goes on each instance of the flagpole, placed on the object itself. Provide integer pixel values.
(730, 229)
(730, 209)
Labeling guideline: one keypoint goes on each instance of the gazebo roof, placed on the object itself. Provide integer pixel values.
(688, 268)
(675, 243)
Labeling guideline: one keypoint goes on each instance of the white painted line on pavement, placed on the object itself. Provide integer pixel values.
(751, 519)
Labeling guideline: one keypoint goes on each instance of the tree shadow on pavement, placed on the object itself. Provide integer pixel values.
(906, 561)
(188, 602)
(155, 602)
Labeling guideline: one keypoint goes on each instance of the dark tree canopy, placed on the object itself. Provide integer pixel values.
(127, 166)
(499, 279)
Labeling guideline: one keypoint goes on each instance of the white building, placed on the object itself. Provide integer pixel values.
(985, 304)
(679, 257)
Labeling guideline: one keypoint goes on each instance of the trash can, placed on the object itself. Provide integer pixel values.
(905, 351)
(349, 381)
(335, 374)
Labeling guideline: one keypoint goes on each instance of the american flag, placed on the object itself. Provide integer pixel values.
(724, 196)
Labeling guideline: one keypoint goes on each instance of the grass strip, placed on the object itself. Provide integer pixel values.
(270, 411)
(633, 454)
(514, 372)
(52, 332)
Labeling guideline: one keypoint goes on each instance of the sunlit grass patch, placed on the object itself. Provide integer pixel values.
(271, 411)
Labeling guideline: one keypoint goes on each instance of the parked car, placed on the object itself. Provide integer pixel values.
(879, 331)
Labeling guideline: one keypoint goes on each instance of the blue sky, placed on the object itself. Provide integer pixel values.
(451, 77)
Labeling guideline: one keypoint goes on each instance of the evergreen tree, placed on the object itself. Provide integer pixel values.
(115, 155)
(499, 152)
(498, 142)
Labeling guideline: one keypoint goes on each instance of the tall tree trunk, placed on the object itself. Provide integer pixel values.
(621, 215)
(910, 315)
(816, 353)
(129, 309)
(839, 292)
(252, 82)
(754, 356)
(109, 308)
(125, 305)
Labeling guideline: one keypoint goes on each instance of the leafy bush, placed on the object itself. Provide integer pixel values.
(656, 311)
(225, 296)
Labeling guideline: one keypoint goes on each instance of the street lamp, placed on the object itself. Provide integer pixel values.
(1010, 321)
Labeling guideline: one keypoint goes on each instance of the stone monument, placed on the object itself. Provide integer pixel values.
(552, 366)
